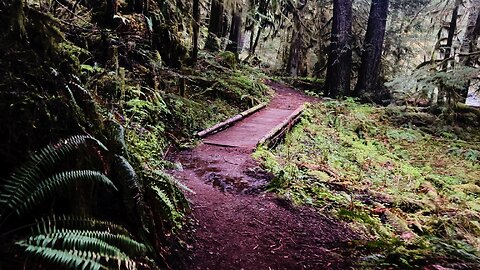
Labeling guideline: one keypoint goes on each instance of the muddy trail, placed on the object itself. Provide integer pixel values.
(238, 224)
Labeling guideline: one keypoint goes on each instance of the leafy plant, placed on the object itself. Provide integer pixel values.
(69, 241)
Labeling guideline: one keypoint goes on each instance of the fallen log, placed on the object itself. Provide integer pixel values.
(230, 121)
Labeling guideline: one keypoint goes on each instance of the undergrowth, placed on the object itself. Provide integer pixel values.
(65, 74)
(413, 194)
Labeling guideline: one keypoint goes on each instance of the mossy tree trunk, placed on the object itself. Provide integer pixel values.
(196, 30)
(13, 18)
(296, 52)
(166, 40)
(235, 36)
(215, 26)
(340, 53)
(257, 24)
(443, 92)
(368, 83)
(469, 42)
(321, 64)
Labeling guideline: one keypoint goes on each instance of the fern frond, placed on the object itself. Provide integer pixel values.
(172, 187)
(164, 198)
(167, 177)
(125, 243)
(132, 190)
(127, 173)
(76, 242)
(22, 203)
(169, 208)
(117, 137)
(24, 180)
(77, 222)
(75, 259)
(66, 259)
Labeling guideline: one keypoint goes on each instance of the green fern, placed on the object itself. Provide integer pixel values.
(132, 189)
(121, 241)
(25, 200)
(105, 231)
(173, 188)
(26, 178)
(76, 259)
(164, 201)
(75, 242)
(130, 178)
(67, 259)
(162, 176)
(77, 222)
(69, 242)
(80, 249)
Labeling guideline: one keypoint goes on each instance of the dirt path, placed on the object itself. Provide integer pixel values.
(239, 225)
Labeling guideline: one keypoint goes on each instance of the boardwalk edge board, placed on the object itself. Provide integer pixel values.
(230, 121)
(285, 125)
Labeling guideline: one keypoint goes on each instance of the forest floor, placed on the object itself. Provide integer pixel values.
(239, 225)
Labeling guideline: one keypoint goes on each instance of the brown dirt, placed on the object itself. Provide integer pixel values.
(238, 224)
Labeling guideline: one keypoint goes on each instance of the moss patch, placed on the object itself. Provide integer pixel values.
(414, 194)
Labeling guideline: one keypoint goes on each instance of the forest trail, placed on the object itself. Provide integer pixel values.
(239, 226)
(249, 132)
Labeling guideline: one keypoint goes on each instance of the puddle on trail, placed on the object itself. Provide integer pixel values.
(242, 177)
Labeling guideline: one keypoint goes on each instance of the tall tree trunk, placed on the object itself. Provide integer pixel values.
(111, 11)
(235, 36)
(215, 25)
(340, 54)
(442, 90)
(262, 9)
(252, 37)
(368, 84)
(253, 42)
(296, 45)
(321, 64)
(13, 19)
(196, 30)
(257, 38)
(469, 42)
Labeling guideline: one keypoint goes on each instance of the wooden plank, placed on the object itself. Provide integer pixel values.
(231, 120)
(275, 140)
(278, 128)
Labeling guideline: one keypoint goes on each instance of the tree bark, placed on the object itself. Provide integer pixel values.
(451, 30)
(112, 8)
(321, 64)
(262, 9)
(235, 36)
(469, 42)
(296, 52)
(368, 83)
(442, 90)
(340, 54)
(215, 26)
(196, 30)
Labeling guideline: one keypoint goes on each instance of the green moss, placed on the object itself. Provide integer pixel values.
(400, 184)
(229, 59)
